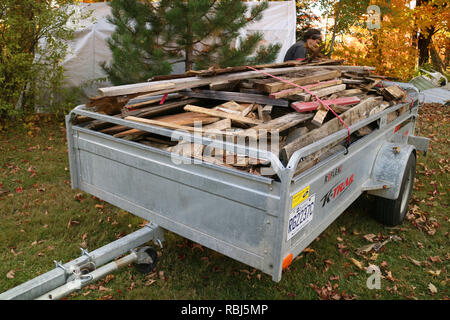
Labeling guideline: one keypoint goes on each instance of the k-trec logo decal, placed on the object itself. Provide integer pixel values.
(337, 190)
(333, 174)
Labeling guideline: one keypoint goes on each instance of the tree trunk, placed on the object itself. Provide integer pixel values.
(336, 21)
(436, 60)
(424, 46)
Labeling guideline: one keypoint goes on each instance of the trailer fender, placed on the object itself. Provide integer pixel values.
(389, 167)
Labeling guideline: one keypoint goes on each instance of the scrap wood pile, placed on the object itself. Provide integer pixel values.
(260, 102)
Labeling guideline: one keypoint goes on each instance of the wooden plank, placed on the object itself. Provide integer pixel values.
(169, 125)
(320, 115)
(350, 92)
(188, 118)
(131, 89)
(193, 82)
(159, 109)
(322, 92)
(393, 93)
(352, 81)
(312, 106)
(371, 85)
(295, 133)
(279, 124)
(358, 112)
(221, 114)
(314, 86)
(278, 86)
(236, 96)
(266, 113)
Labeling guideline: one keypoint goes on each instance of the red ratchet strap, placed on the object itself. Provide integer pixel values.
(163, 98)
(312, 94)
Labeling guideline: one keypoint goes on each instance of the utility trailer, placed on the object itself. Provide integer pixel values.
(260, 221)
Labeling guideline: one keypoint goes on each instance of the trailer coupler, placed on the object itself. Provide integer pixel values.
(72, 276)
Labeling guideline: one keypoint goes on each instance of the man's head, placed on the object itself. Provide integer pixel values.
(312, 37)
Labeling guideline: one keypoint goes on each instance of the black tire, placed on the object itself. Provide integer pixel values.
(152, 260)
(392, 212)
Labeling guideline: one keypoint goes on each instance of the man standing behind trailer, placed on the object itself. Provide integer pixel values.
(299, 51)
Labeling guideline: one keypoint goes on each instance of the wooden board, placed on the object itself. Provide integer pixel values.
(312, 106)
(132, 89)
(320, 76)
(221, 114)
(188, 118)
(279, 124)
(358, 112)
(315, 86)
(159, 109)
(236, 96)
(322, 92)
(171, 125)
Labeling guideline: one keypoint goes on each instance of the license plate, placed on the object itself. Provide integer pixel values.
(300, 216)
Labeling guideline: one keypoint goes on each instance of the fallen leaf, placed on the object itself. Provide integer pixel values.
(72, 223)
(434, 273)
(10, 274)
(369, 237)
(309, 250)
(432, 288)
(435, 259)
(357, 263)
(99, 206)
(150, 282)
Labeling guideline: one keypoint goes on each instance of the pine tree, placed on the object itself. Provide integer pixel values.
(150, 37)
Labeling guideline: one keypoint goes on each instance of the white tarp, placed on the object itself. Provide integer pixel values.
(89, 48)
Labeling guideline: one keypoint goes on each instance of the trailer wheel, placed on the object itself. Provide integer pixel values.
(393, 212)
(147, 259)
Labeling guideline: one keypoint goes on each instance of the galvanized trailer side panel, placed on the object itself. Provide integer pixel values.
(229, 213)
(335, 184)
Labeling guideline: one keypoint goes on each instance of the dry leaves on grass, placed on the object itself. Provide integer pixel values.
(11, 274)
(331, 292)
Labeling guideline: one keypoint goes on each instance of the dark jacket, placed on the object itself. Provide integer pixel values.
(297, 50)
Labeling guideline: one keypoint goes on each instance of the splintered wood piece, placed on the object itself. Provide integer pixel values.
(371, 85)
(322, 92)
(320, 115)
(221, 114)
(358, 112)
(233, 105)
(320, 76)
(314, 86)
(279, 124)
(266, 113)
(249, 109)
(312, 106)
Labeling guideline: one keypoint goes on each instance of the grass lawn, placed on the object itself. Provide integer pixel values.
(43, 219)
